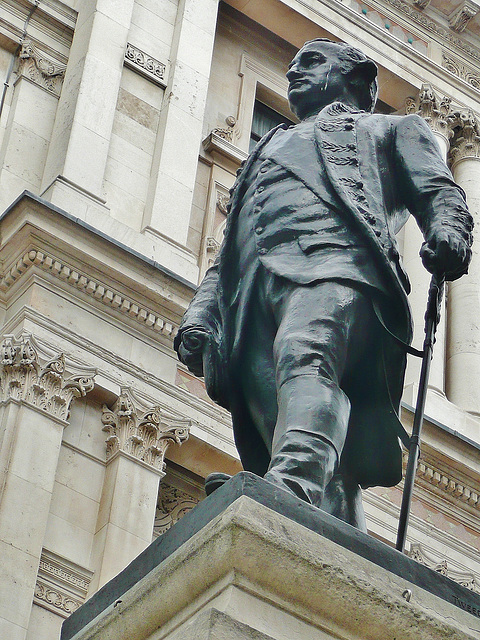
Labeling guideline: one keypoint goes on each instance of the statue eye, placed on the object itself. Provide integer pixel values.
(312, 59)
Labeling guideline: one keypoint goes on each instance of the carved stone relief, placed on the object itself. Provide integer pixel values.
(173, 504)
(36, 66)
(460, 18)
(429, 25)
(459, 69)
(61, 586)
(144, 64)
(465, 578)
(143, 434)
(25, 376)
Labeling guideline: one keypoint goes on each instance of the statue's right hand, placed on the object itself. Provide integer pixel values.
(191, 348)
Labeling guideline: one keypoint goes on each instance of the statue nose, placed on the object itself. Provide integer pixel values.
(293, 74)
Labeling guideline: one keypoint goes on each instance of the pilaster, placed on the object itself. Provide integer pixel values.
(170, 197)
(77, 156)
(463, 364)
(137, 439)
(36, 393)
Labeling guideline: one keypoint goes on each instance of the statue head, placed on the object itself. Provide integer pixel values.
(323, 72)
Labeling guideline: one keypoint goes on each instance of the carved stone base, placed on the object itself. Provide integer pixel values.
(252, 562)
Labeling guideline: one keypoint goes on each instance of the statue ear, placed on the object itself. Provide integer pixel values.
(365, 70)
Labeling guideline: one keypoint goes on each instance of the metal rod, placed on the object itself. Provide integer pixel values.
(432, 318)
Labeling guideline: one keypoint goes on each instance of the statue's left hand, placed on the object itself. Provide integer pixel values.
(447, 253)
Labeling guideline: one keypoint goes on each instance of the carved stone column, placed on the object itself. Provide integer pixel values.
(463, 356)
(35, 397)
(138, 437)
(436, 112)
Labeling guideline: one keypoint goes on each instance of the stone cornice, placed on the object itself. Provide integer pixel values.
(143, 434)
(97, 290)
(49, 385)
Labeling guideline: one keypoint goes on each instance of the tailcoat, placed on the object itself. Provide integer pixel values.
(382, 169)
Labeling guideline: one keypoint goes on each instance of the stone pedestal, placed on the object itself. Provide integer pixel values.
(251, 561)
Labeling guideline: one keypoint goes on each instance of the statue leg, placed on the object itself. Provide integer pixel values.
(320, 337)
(311, 430)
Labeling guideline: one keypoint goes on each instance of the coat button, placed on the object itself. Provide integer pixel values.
(260, 189)
(263, 168)
(348, 127)
(378, 233)
(259, 229)
(262, 251)
(257, 208)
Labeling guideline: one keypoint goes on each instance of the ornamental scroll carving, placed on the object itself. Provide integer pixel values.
(36, 66)
(61, 585)
(26, 376)
(172, 505)
(144, 64)
(143, 434)
(465, 578)
(461, 70)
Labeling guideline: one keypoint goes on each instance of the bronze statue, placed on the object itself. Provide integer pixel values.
(300, 326)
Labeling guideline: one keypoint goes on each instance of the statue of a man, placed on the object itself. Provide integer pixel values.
(298, 327)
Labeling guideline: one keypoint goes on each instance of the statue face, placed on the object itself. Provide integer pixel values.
(315, 78)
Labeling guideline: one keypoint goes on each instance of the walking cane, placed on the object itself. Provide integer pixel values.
(432, 318)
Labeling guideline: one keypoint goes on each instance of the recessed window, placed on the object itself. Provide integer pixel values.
(264, 119)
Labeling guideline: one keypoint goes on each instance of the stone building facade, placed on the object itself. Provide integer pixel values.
(122, 123)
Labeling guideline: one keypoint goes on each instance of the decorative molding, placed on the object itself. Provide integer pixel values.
(38, 68)
(212, 245)
(172, 505)
(460, 18)
(90, 286)
(430, 475)
(145, 65)
(47, 385)
(421, 4)
(61, 585)
(222, 202)
(215, 143)
(434, 110)
(465, 578)
(461, 70)
(429, 25)
(145, 435)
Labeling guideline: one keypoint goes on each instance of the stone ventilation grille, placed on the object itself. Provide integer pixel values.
(91, 287)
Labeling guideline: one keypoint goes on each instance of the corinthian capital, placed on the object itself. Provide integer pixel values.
(435, 110)
(466, 142)
(144, 433)
(49, 384)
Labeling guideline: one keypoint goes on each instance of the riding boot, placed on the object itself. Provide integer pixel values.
(309, 435)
